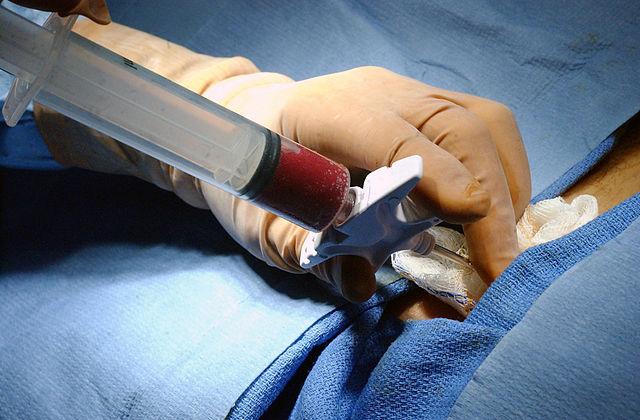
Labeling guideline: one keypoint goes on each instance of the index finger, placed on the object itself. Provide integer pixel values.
(368, 139)
(492, 240)
(506, 136)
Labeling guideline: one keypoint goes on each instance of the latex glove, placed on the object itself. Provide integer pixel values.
(364, 118)
(270, 238)
(474, 160)
(95, 10)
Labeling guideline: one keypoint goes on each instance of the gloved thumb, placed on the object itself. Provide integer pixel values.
(355, 278)
(352, 276)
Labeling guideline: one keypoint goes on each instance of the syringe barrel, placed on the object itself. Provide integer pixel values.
(306, 188)
(158, 117)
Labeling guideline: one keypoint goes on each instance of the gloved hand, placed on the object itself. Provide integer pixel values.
(95, 10)
(474, 160)
(475, 164)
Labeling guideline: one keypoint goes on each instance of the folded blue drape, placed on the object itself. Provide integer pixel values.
(380, 368)
(575, 353)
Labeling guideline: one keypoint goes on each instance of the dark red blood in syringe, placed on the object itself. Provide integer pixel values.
(306, 187)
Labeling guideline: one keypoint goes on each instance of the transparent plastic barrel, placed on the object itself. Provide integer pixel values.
(136, 106)
(116, 96)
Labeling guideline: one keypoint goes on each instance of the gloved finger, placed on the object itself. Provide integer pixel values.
(352, 276)
(506, 136)
(492, 240)
(362, 138)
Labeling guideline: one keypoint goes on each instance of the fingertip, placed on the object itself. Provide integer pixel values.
(490, 270)
(447, 188)
(492, 244)
(357, 279)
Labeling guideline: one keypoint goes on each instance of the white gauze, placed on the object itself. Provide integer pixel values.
(461, 287)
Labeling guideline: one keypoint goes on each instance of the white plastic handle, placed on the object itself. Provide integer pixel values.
(22, 91)
(378, 225)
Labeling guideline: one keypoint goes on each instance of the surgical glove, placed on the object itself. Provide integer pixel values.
(268, 237)
(475, 164)
(364, 118)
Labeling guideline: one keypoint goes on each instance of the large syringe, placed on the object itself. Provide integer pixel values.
(116, 96)
(110, 93)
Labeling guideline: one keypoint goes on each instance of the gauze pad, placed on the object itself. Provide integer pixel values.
(461, 287)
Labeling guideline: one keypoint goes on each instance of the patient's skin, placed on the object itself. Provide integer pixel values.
(611, 181)
(617, 176)
(418, 304)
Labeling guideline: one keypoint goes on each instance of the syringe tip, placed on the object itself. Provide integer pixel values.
(451, 256)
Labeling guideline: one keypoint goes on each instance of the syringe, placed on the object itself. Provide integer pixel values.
(116, 96)
(110, 93)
